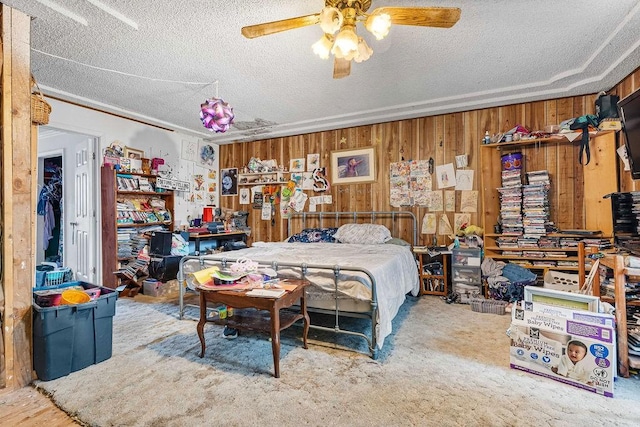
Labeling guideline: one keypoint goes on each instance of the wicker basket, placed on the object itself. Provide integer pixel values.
(40, 109)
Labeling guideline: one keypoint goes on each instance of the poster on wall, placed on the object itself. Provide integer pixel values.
(429, 223)
(245, 197)
(313, 161)
(189, 151)
(207, 154)
(446, 176)
(469, 201)
(212, 187)
(229, 179)
(449, 200)
(464, 179)
(296, 165)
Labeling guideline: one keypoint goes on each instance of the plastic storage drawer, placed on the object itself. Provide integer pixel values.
(467, 275)
(68, 338)
(471, 257)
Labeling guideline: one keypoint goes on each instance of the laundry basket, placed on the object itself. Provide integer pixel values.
(58, 277)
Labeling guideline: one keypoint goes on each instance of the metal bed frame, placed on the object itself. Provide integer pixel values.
(224, 260)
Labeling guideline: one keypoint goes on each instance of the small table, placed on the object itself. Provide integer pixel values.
(258, 314)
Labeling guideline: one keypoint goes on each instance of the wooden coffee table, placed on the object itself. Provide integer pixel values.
(257, 314)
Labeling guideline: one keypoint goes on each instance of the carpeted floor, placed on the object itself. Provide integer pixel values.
(444, 365)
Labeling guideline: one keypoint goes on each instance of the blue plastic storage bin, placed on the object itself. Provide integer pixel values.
(67, 338)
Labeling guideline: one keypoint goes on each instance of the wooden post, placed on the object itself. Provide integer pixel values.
(19, 152)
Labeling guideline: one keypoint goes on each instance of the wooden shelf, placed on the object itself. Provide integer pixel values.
(556, 139)
(262, 183)
(518, 248)
(142, 193)
(143, 224)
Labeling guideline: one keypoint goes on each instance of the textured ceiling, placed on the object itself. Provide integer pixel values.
(158, 60)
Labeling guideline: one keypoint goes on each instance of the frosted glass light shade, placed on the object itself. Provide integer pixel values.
(378, 24)
(345, 44)
(331, 20)
(364, 52)
(322, 47)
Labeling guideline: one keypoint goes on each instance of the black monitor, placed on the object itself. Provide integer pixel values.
(629, 108)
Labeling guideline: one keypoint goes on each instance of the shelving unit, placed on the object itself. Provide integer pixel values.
(620, 274)
(466, 275)
(262, 178)
(548, 154)
(116, 193)
(433, 280)
(580, 207)
(578, 256)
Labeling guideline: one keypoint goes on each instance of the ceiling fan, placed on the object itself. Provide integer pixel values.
(341, 17)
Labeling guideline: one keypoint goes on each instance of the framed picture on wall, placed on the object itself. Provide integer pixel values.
(353, 166)
(229, 180)
(132, 153)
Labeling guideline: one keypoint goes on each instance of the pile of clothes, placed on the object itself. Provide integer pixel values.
(506, 281)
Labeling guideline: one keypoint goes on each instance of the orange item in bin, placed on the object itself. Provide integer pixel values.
(72, 296)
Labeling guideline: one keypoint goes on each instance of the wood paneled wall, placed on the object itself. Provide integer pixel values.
(442, 138)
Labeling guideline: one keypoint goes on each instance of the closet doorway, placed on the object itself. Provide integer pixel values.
(67, 218)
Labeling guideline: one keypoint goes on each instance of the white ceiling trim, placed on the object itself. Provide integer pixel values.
(65, 12)
(111, 11)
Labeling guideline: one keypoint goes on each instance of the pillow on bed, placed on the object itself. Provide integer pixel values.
(399, 242)
(314, 235)
(366, 234)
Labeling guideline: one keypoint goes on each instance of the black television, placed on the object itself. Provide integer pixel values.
(629, 108)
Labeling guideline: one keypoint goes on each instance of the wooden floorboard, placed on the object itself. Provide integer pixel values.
(28, 407)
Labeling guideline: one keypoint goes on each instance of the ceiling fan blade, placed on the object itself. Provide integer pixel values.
(341, 68)
(253, 31)
(444, 17)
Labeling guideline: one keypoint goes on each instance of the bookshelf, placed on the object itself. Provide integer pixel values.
(132, 206)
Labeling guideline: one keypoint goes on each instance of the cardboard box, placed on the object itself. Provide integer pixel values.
(156, 288)
(541, 343)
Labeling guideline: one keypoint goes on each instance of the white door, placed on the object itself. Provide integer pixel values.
(82, 221)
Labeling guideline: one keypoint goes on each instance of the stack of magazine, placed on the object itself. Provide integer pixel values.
(535, 204)
(511, 202)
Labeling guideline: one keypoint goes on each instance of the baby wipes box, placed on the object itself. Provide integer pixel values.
(563, 348)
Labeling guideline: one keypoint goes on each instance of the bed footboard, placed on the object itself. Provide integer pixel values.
(191, 264)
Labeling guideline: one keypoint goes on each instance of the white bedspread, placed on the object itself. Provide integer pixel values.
(392, 266)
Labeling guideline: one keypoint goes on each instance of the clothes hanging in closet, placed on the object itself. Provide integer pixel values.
(49, 201)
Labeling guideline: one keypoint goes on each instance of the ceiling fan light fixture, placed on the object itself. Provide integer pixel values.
(364, 52)
(346, 43)
(322, 47)
(331, 20)
(378, 24)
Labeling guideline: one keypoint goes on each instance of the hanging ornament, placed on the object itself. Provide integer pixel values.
(216, 115)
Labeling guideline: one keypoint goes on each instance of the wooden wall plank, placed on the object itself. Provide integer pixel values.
(17, 173)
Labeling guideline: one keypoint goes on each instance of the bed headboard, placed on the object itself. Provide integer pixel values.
(402, 224)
